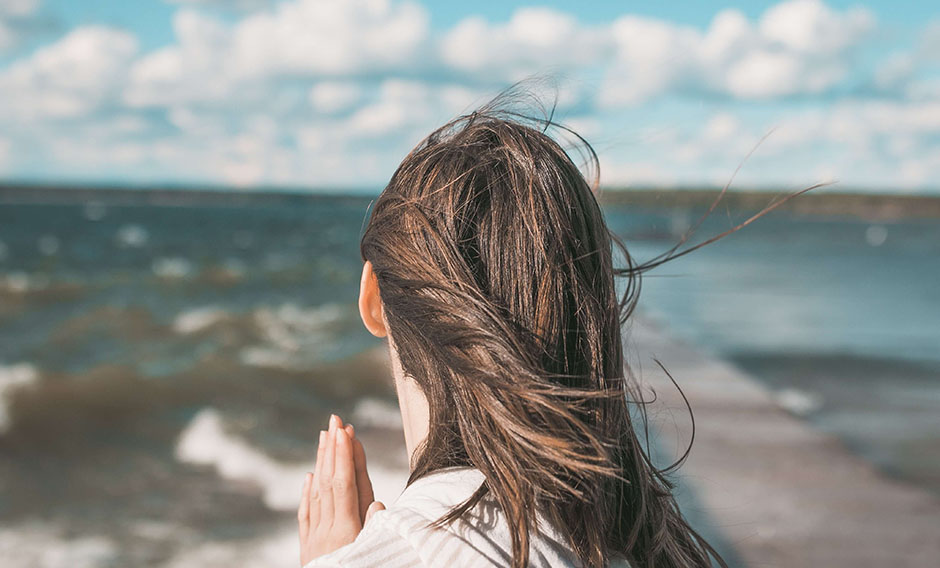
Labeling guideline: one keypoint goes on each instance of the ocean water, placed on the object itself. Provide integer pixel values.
(164, 370)
(839, 317)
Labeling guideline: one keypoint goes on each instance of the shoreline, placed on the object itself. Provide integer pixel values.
(781, 492)
(868, 205)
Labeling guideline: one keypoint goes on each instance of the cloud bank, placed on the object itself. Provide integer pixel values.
(333, 93)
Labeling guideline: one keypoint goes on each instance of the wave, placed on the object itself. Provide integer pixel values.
(45, 544)
(132, 236)
(278, 549)
(172, 268)
(798, 402)
(375, 413)
(198, 319)
(13, 378)
(293, 337)
(204, 441)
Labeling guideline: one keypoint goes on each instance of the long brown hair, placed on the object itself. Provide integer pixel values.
(496, 271)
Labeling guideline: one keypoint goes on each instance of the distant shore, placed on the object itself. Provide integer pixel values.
(822, 201)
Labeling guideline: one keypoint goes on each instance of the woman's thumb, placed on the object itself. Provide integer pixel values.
(375, 506)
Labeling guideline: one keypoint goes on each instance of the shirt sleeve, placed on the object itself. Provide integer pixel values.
(379, 544)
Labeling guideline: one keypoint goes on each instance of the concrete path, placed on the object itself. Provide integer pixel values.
(784, 494)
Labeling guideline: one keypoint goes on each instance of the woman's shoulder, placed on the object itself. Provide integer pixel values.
(403, 534)
(480, 537)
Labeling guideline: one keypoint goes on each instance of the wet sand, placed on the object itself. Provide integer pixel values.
(783, 494)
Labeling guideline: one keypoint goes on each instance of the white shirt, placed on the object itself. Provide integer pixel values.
(399, 536)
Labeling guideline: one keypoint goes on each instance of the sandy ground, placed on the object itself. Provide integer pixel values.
(784, 494)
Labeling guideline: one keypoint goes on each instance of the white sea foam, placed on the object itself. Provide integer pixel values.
(172, 267)
(132, 236)
(797, 401)
(204, 441)
(198, 319)
(278, 549)
(44, 545)
(293, 336)
(17, 282)
(377, 414)
(12, 378)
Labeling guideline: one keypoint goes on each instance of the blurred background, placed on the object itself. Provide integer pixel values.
(183, 184)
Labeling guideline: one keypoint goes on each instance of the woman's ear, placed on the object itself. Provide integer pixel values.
(370, 303)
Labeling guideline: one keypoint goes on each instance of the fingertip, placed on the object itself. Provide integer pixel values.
(305, 490)
(375, 507)
(350, 430)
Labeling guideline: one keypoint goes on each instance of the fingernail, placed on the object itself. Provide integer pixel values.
(333, 421)
(342, 437)
(352, 429)
(322, 437)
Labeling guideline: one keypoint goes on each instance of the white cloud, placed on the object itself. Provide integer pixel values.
(809, 26)
(332, 92)
(13, 14)
(652, 56)
(912, 73)
(534, 39)
(69, 78)
(303, 38)
(18, 7)
(227, 4)
(334, 96)
(797, 47)
(889, 145)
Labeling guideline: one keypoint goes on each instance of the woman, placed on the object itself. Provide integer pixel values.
(489, 268)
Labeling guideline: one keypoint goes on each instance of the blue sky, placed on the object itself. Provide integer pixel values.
(331, 94)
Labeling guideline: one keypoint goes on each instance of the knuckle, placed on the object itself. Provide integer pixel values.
(341, 486)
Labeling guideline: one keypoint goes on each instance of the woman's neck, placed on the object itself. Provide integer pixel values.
(415, 415)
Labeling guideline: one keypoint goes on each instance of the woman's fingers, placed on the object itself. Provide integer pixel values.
(373, 508)
(325, 485)
(363, 483)
(366, 495)
(330, 515)
(315, 481)
(303, 511)
(345, 492)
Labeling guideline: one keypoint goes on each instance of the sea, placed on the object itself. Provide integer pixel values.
(165, 369)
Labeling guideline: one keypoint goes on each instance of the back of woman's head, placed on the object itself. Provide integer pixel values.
(495, 269)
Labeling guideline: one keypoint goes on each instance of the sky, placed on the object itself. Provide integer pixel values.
(331, 94)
